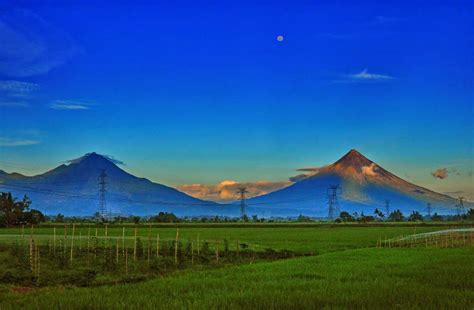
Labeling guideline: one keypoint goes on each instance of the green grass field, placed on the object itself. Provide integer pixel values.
(296, 237)
(346, 271)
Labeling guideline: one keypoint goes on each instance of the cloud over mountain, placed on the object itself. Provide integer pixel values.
(441, 173)
(227, 190)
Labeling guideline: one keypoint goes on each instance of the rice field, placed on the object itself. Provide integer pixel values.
(255, 266)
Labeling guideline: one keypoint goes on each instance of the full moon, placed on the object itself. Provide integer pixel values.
(280, 38)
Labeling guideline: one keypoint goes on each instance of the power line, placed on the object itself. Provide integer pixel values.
(356, 201)
(151, 202)
(75, 195)
(119, 199)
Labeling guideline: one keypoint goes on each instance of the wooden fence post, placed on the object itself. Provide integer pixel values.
(31, 253)
(149, 244)
(117, 250)
(38, 264)
(135, 246)
(157, 245)
(126, 262)
(54, 239)
(72, 241)
(88, 239)
(80, 241)
(123, 241)
(176, 246)
(192, 253)
(198, 244)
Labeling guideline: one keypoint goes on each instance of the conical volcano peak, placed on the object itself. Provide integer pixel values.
(354, 165)
(88, 157)
(95, 157)
(353, 159)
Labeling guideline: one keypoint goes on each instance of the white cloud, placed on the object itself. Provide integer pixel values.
(17, 88)
(227, 190)
(69, 105)
(5, 141)
(365, 75)
(370, 170)
(14, 93)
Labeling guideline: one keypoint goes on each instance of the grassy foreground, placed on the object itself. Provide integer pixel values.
(376, 278)
(347, 271)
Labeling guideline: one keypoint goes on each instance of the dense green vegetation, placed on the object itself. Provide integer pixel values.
(343, 268)
(365, 278)
(16, 212)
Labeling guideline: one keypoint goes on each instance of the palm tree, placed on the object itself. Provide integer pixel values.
(11, 210)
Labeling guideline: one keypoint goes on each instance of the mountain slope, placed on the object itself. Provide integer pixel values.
(72, 189)
(363, 184)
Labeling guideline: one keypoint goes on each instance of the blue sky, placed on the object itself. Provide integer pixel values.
(200, 93)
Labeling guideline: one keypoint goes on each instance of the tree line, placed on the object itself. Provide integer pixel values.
(15, 212)
(398, 216)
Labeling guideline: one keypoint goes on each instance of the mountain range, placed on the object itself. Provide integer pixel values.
(359, 185)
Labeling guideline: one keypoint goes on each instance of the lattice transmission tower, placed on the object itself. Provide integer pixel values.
(333, 202)
(102, 189)
(242, 191)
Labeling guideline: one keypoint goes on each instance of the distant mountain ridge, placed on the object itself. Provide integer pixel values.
(72, 189)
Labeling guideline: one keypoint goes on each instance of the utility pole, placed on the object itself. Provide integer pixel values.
(460, 206)
(387, 207)
(333, 203)
(428, 207)
(242, 191)
(102, 187)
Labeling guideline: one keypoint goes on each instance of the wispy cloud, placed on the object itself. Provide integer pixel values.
(227, 190)
(364, 75)
(308, 172)
(30, 45)
(6, 141)
(21, 104)
(17, 88)
(15, 93)
(381, 20)
(19, 137)
(69, 105)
